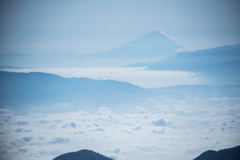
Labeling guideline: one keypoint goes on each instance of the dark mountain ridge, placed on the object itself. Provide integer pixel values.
(225, 154)
(82, 155)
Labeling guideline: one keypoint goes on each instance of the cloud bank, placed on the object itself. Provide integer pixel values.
(180, 130)
(137, 76)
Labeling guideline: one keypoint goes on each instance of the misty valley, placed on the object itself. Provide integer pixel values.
(131, 102)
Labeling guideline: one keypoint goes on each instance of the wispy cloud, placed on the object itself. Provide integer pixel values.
(183, 49)
(170, 37)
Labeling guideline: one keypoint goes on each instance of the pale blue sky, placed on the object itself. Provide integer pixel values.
(81, 26)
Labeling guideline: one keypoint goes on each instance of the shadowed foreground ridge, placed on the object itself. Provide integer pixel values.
(225, 154)
(82, 155)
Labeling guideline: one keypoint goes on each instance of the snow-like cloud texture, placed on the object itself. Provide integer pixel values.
(180, 130)
(137, 76)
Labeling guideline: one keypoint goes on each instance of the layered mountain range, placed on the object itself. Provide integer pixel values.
(147, 48)
(220, 65)
(22, 92)
(202, 60)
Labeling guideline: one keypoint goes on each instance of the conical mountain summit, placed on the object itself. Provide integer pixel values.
(152, 44)
(150, 47)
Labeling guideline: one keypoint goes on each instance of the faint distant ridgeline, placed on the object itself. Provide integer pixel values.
(225, 154)
(82, 155)
(147, 48)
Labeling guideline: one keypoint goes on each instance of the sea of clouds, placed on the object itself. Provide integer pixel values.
(138, 76)
(158, 128)
(181, 130)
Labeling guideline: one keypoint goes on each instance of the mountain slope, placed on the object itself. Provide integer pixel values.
(225, 154)
(20, 90)
(82, 155)
(189, 61)
(40, 92)
(152, 44)
(219, 66)
(147, 48)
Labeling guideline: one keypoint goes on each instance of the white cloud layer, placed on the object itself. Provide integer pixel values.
(137, 76)
(181, 130)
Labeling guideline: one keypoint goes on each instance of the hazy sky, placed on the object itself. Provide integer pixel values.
(81, 26)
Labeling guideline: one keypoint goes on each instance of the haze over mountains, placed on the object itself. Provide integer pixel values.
(147, 48)
(153, 45)
(199, 60)
(23, 92)
(219, 65)
(116, 77)
(98, 114)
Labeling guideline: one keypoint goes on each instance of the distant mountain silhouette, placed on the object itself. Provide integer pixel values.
(82, 155)
(147, 48)
(221, 66)
(153, 44)
(24, 91)
(225, 154)
(197, 60)
(11, 67)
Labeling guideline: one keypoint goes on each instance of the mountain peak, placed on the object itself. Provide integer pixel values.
(157, 39)
(153, 44)
(154, 33)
